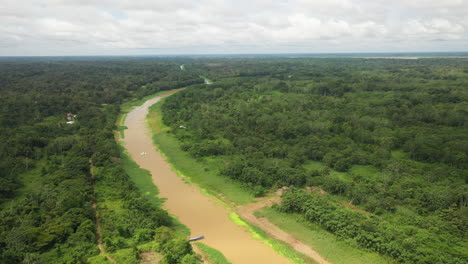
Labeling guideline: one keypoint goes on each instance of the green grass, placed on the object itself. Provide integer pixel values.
(325, 243)
(279, 246)
(399, 154)
(31, 179)
(213, 255)
(317, 165)
(341, 175)
(277, 93)
(313, 165)
(142, 179)
(99, 259)
(366, 171)
(126, 255)
(204, 173)
(121, 130)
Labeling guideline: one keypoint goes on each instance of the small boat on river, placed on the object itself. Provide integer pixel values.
(196, 238)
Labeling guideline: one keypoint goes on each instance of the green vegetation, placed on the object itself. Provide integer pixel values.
(127, 255)
(204, 172)
(46, 185)
(178, 251)
(405, 243)
(121, 130)
(142, 179)
(331, 248)
(279, 246)
(213, 255)
(127, 218)
(99, 259)
(386, 138)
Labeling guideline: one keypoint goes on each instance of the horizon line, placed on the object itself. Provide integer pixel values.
(243, 54)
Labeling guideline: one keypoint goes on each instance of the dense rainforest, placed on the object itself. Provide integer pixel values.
(52, 172)
(374, 150)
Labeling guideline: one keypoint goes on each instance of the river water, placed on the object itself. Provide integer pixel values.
(202, 214)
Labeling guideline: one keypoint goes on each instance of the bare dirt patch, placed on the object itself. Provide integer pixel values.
(150, 258)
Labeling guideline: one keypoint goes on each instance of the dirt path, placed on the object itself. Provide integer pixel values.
(96, 217)
(247, 213)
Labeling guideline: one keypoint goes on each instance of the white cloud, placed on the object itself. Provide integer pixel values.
(76, 27)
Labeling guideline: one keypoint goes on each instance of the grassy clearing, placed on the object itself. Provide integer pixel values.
(213, 255)
(399, 154)
(31, 179)
(336, 251)
(204, 173)
(314, 165)
(279, 246)
(317, 165)
(367, 171)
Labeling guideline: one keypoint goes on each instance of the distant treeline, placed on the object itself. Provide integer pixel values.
(387, 135)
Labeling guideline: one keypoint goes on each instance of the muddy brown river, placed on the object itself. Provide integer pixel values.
(202, 214)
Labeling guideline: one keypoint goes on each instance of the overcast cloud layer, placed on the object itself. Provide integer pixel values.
(112, 27)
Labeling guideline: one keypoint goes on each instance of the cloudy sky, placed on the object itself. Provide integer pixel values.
(127, 27)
